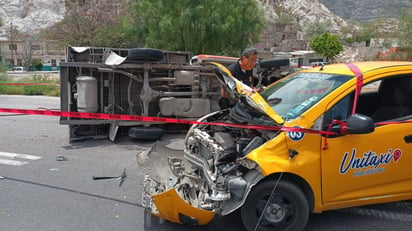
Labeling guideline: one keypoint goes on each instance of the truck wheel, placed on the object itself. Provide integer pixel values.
(287, 209)
(145, 54)
(146, 133)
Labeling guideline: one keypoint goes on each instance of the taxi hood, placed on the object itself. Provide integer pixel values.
(236, 89)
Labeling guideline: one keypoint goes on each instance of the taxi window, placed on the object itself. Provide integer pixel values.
(368, 101)
(340, 111)
(394, 99)
(382, 100)
(293, 96)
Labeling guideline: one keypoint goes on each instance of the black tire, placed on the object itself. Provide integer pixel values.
(145, 54)
(146, 133)
(288, 210)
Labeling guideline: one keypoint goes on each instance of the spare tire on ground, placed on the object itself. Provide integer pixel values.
(145, 54)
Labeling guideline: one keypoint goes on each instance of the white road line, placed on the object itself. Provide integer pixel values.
(13, 162)
(19, 155)
(11, 158)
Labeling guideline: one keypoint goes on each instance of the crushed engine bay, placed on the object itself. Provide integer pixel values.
(214, 175)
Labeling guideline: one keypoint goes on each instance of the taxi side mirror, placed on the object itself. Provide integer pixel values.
(359, 124)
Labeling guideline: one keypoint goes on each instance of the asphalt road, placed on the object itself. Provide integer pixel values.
(46, 182)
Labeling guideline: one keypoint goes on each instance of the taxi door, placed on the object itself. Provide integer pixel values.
(366, 166)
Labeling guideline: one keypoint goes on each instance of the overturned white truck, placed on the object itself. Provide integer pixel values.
(146, 82)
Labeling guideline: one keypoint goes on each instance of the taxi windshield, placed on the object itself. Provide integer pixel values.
(293, 96)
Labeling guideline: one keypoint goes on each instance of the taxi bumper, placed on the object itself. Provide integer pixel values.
(170, 206)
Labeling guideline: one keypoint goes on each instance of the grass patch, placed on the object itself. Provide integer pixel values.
(47, 90)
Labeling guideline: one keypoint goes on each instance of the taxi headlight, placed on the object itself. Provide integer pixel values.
(249, 164)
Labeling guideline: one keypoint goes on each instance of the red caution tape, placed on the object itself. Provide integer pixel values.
(359, 82)
(26, 84)
(103, 116)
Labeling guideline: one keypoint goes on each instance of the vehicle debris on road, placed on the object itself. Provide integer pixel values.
(122, 177)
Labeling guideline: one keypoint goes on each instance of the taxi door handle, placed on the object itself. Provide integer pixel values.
(408, 139)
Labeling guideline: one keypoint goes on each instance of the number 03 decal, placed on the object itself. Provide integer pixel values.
(296, 136)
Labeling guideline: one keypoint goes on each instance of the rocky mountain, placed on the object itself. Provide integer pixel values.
(366, 10)
(27, 16)
(306, 12)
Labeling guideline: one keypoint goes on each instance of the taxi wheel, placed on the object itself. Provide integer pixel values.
(282, 208)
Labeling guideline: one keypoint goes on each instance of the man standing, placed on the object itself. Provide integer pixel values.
(242, 69)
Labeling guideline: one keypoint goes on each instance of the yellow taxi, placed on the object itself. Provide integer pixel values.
(325, 138)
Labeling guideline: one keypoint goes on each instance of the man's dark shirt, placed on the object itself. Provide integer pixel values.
(245, 77)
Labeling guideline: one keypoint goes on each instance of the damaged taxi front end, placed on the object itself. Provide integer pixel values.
(215, 175)
(276, 156)
(236, 157)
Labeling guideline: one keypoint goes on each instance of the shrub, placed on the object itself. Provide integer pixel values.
(37, 64)
(49, 90)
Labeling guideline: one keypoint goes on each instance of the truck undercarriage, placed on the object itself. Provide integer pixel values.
(144, 82)
(148, 82)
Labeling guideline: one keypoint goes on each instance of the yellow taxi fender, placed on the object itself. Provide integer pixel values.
(170, 206)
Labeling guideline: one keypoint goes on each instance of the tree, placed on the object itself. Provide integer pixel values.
(29, 41)
(26, 40)
(37, 64)
(89, 23)
(327, 44)
(223, 27)
(14, 35)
